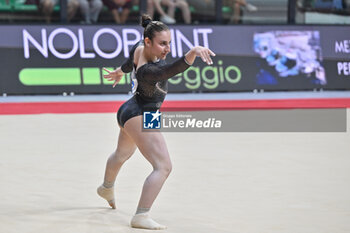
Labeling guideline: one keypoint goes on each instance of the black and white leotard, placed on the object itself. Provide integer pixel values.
(152, 85)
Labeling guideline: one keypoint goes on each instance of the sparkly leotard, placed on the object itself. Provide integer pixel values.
(152, 85)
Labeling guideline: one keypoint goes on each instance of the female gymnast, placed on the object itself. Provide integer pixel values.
(150, 75)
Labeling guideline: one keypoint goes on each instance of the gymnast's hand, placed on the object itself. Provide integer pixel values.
(202, 52)
(115, 75)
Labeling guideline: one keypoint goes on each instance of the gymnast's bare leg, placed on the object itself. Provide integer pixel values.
(153, 147)
(125, 149)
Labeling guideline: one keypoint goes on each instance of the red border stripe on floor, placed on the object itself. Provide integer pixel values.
(190, 105)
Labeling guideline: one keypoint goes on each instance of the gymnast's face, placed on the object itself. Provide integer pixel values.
(160, 45)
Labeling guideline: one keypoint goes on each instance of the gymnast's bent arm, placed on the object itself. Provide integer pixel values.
(158, 73)
(127, 67)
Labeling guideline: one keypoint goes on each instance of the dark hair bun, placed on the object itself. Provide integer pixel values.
(145, 20)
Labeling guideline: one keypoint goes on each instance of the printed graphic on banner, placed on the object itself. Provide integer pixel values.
(289, 54)
(343, 47)
(209, 77)
(152, 120)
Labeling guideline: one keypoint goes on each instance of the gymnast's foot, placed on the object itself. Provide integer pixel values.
(107, 194)
(145, 222)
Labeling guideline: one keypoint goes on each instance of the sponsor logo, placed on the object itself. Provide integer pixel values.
(89, 45)
(209, 77)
